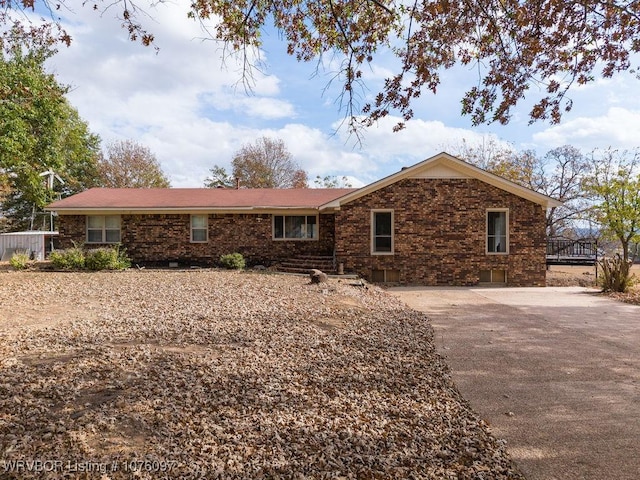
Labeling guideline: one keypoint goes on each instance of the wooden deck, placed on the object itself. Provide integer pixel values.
(572, 252)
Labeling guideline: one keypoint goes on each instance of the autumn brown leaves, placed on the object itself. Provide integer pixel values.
(231, 375)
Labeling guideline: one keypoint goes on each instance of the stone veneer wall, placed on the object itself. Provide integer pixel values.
(161, 238)
(440, 233)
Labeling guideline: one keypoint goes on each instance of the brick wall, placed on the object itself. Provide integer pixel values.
(440, 233)
(158, 239)
(439, 227)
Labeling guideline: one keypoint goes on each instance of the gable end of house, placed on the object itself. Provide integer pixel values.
(443, 166)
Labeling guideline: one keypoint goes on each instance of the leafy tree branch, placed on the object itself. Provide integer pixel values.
(512, 45)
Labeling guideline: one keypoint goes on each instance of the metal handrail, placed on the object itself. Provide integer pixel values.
(572, 248)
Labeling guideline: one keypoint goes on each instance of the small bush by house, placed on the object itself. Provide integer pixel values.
(232, 261)
(69, 259)
(105, 258)
(19, 261)
(100, 258)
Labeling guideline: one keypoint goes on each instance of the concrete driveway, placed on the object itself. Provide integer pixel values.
(554, 371)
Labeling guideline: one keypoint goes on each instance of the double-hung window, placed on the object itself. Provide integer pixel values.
(199, 228)
(295, 227)
(103, 229)
(498, 231)
(382, 232)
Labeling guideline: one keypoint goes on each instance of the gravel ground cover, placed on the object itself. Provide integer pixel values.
(209, 374)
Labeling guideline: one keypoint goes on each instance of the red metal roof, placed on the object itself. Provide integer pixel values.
(198, 198)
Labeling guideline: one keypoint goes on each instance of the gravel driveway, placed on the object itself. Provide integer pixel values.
(555, 371)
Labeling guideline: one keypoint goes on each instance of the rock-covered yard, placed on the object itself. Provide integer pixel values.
(209, 374)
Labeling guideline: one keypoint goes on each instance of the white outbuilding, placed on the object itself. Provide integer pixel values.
(34, 243)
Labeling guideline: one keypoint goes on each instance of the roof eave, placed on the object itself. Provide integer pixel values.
(170, 210)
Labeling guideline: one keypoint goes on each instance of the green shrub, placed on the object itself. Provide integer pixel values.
(101, 258)
(58, 259)
(19, 260)
(122, 260)
(118, 259)
(69, 259)
(104, 258)
(232, 261)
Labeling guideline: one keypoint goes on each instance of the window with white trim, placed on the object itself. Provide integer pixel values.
(382, 232)
(199, 228)
(295, 227)
(103, 228)
(498, 231)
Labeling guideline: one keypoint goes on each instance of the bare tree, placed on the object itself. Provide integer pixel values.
(559, 174)
(332, 181)
(128, 164)
(264, 164)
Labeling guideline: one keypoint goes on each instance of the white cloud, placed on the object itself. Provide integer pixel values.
(619, 128)
(186, 105)
(246, 105)
(187, 151)
(419, 140)
(113, 78)
(322, 154)
(268, 108)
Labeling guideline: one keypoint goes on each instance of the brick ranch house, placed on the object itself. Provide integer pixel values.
(439, 222)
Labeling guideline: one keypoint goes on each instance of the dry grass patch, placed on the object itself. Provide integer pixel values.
(631, 296)
(569, 276)
(205, 374)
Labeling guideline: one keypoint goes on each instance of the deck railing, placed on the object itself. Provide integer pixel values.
(561, 251)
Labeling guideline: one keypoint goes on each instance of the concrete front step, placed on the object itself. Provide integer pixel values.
(305, 263)
(318, 265)
(303, 270)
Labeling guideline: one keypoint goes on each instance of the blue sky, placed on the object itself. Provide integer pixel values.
(189, 109)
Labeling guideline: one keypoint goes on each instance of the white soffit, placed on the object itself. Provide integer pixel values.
(440, 170)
